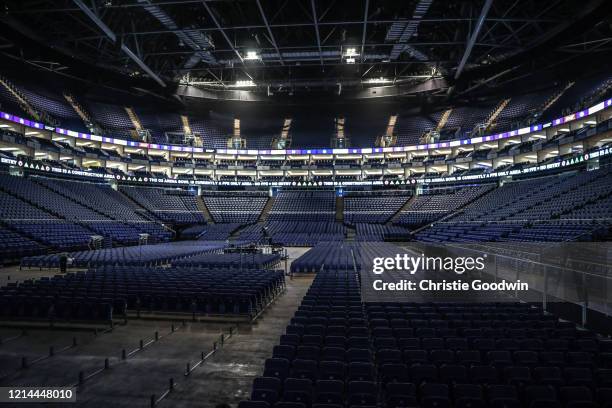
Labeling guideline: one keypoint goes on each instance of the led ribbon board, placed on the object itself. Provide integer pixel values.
(452, 143)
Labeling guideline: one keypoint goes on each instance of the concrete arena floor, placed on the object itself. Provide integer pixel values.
(227, 377)
(224, 378)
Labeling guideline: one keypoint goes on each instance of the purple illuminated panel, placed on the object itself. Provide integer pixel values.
(538, 127)
(558, 121)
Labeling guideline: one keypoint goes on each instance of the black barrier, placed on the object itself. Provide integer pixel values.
(142, 345)
(12, 338)
(189, 368)
(26, 363)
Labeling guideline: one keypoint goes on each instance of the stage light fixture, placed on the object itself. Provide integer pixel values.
(244, 83)
(251, 56)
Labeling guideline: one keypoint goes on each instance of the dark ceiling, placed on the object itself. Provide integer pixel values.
(469, 46)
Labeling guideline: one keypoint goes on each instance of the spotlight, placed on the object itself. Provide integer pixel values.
(381, 80)
(350, 55)
(251, 55)
(244, 83)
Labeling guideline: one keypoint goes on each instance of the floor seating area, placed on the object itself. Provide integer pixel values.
(293, 233)
(110, 291)
(339, 352)
(340, 256)
(326, 256)
(237, 261)
(299, 363)
(125, 256)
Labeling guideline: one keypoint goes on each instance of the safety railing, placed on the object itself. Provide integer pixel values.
(578, 273)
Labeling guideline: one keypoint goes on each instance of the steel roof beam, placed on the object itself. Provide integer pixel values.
(365, 26)
(272, 39)
(316, 26)
(337, 23)
(113, 37)
(473, 37)
(197, 41)
(229, 41)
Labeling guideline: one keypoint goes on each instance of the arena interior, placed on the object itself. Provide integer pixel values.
(194, 196)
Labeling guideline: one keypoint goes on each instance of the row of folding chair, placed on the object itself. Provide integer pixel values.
(493, 322)
(395, 395)
(498, 358)
(486, 344)
(326, 353)
(490, 374)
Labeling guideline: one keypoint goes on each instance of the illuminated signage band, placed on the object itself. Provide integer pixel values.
(39, 166)
(451, 143)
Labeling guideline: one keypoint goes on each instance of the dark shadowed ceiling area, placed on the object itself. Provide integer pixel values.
(275, 49)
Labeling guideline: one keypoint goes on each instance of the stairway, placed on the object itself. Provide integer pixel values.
(554, 98)
(453, 213)
(350, 233)
(493, 115)
(132, 115)
(82, 112)
(23, 102)
(392, 219)
(339, 209)
(236, 233)
(446, 217)
(185, 122)
(443, 119)
(263, 217)
(197, 139)
(142, 211)
(202, 207)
